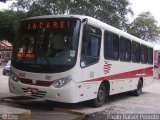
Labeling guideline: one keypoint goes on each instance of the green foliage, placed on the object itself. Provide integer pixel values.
(9, 23)
(145, 27)
(3, 1)
(112, 12)
(10, 16)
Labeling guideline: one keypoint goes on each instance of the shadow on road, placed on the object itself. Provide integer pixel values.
(39, 104)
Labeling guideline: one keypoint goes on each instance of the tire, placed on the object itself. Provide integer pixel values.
(102, 95)
(138, 91)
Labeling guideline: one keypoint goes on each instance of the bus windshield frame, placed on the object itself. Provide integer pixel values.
(46, 45)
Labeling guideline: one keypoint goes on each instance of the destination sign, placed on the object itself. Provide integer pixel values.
(55, 24)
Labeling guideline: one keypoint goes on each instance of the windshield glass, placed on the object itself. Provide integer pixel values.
(43, 44)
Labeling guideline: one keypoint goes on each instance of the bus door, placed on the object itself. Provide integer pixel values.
(90, 56)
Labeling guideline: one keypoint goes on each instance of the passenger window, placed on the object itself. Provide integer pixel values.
(135, 52)
(111, 46)
(91, 47)
(144, 54)
(125, 49)
(150, 55)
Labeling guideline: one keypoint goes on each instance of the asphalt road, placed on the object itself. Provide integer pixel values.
(147, 103)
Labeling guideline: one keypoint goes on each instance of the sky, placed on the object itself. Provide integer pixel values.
(5, 5)
(153, 6)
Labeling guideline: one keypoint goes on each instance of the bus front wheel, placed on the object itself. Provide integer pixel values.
(101, 96)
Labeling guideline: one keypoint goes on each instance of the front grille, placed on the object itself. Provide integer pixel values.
(37, 94)
(38, 82)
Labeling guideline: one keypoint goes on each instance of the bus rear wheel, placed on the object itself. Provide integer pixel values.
(138, 91)
(101, 96)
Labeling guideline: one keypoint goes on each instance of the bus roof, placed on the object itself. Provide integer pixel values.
(99, 24)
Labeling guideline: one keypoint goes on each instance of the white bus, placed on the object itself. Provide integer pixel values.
(73, 58)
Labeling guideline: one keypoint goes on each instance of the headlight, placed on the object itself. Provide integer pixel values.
(14, 77)
(61, 82)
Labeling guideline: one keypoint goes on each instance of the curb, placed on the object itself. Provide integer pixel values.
(12, 113)
(17, 99)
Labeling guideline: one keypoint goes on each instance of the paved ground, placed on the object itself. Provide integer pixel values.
(147, 103)
(40, 109)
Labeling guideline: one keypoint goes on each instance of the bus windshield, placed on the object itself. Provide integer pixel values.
(46, 45)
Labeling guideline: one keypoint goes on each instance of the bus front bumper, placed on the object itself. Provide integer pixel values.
(65, 94)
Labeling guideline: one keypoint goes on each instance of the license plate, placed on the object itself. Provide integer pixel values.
(32, 90)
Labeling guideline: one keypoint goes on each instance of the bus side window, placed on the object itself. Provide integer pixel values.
(143, 54)
(135, 52)
(125, 49)
(150, 55)
(111, 46)
(90, 50)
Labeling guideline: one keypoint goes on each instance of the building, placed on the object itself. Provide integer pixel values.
(6, 50)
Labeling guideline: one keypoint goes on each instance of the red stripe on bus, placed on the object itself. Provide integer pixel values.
(146, 72)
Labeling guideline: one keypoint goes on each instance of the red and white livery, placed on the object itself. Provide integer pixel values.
(73, 58)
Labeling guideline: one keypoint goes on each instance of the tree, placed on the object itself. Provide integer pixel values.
(144, 27)
(9, 23)
(3, 1)
(113, 12)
